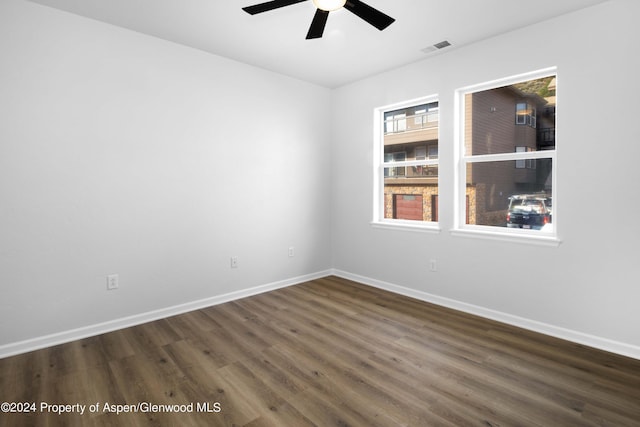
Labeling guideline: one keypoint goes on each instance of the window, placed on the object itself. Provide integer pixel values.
(525, 114)
(406, 166)
(392, 158)
(506, 169)
(525, 164)
(395, 122)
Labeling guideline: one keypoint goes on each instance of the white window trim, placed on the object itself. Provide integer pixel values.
(461, 229)
(379, 221)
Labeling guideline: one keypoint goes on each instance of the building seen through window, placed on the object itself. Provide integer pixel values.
(411, 163)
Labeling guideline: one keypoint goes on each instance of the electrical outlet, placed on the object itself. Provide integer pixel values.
(234, 262)
(113, 282)
(292, 251)
(433, 265)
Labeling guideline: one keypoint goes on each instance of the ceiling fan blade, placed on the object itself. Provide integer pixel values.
(270, 5)
(371, 15)
(317, 25)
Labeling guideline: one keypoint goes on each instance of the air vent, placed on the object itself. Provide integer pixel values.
(436, 46)
(442, 44)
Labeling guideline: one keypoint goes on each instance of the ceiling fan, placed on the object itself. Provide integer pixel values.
(363, 10)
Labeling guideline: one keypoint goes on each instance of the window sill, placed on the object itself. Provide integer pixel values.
(515, 237)
(415, 226)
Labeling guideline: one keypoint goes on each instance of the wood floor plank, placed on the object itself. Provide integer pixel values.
(328, 352)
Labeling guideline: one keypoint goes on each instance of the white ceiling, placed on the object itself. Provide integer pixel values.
(350, 49)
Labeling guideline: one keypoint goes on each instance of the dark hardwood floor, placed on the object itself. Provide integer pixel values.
(329, 352)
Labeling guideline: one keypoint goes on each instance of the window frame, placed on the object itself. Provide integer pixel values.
(462, 160)
(379, 165)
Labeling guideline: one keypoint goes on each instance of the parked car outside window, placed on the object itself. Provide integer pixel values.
(529, 211)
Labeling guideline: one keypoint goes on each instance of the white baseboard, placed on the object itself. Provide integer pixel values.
(125, 322)
(605, 344)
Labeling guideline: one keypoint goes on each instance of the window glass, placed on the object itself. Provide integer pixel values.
(508, 154)
(503, 195)
(409, 166)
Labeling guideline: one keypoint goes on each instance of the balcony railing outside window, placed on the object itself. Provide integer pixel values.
(403, 123)
(547, 138)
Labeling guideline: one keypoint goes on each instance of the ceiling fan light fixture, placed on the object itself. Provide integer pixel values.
(329, 5)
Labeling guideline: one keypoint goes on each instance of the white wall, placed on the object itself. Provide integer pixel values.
(586, 289)
(121, 153)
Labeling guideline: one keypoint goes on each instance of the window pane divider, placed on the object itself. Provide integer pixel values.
(544, 154)
(411, 163)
